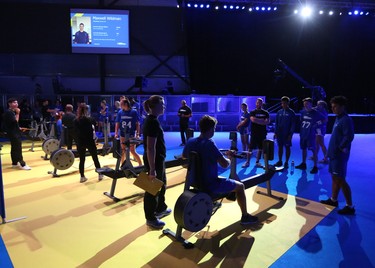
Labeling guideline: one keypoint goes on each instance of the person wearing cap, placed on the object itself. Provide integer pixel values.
(310, 120)
(284, 128)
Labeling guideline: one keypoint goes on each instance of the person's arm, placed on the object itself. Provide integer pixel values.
(151, 150)
(138, 129)
(223, 161)
(116, 129)
(347, 135)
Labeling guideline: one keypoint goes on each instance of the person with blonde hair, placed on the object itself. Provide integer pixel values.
(154, 161)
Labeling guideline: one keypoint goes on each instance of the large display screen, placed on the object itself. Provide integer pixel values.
(100, 31)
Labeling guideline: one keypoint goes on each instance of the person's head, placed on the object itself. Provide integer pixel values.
(322, 105)
(307, 103)
(207, 125)
(338, 104)
(183, 102)
(131, 100)
(69, 108)
(154, 105)
(12, 103)
(117, 104)
(103, 103)
(45, 102)
(125, 104)
(83, 110)
(259, 103)
(285, 102)
(122, 98)
(81, 27)
(243, 107)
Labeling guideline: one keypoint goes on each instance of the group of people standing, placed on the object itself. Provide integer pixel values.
(313, 127)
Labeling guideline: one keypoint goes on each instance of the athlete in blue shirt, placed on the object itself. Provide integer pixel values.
(310, 119)
(210, 156)
(338, 154)
(127, 125)
(284, 129)
(81, 37)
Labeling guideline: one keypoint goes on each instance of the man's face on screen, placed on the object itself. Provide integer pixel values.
(81, 28)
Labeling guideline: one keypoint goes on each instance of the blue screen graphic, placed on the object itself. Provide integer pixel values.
(100, 31)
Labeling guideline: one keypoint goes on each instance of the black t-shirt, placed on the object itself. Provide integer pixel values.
(84, 128)
(152, 128)
(258, 130)
(10, 124)
(68, 120)
(184, 110)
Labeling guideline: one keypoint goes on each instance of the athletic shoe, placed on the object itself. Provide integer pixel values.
(286, 165)
(157, 224)
(257, 164)
(16, 166)
(329, 202)
(83, 179)
(164, 213)
(245, 165)
(314, 170)
(248, 219)
(25, 167)
(279, 164)
(100, 177)
(301, 166)
(346, 211)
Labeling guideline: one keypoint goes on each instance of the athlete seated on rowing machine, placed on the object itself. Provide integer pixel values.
(127, 123)
(210, 156)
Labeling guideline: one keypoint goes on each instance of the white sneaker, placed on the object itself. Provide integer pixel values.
(83, 179)
(16, 166)
(100, 177)
(25, 167)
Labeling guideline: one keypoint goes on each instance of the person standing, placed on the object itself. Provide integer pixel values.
(285, 123)
(84, 128)
(321, 130)
(260, 118)
(243, 129)
(14, 133)
(310, 119)
(154, 159)
(68, 122)
(127, 125)
(338, 153)
(184, 113)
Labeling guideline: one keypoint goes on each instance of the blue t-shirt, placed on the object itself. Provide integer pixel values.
(309, 124)
(127, 122)
(244, 128)
(209, 155)
(285, 123)
(342, 136)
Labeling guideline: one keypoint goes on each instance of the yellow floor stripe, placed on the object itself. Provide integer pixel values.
(70, 224)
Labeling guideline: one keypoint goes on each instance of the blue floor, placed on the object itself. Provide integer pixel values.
(337, 241)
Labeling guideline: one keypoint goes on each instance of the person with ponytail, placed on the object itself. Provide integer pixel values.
(85, 132)
(154, 161)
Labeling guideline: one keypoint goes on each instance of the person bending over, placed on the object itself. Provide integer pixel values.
(210, 157)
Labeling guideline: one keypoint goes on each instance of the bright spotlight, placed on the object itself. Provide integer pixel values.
(263, 8)
(330, 13)
(367, 13)
(321, 12)
(275, 8)
(217, 7)
(188, 5)
(250, 9)
(257, 8)
(269, 8)
(231, 7)
(361, 13)
(350, 13)
(306, 12)
(295, 11)
(225, 6)
(237, 7)
(356, 12)
(201, 5)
